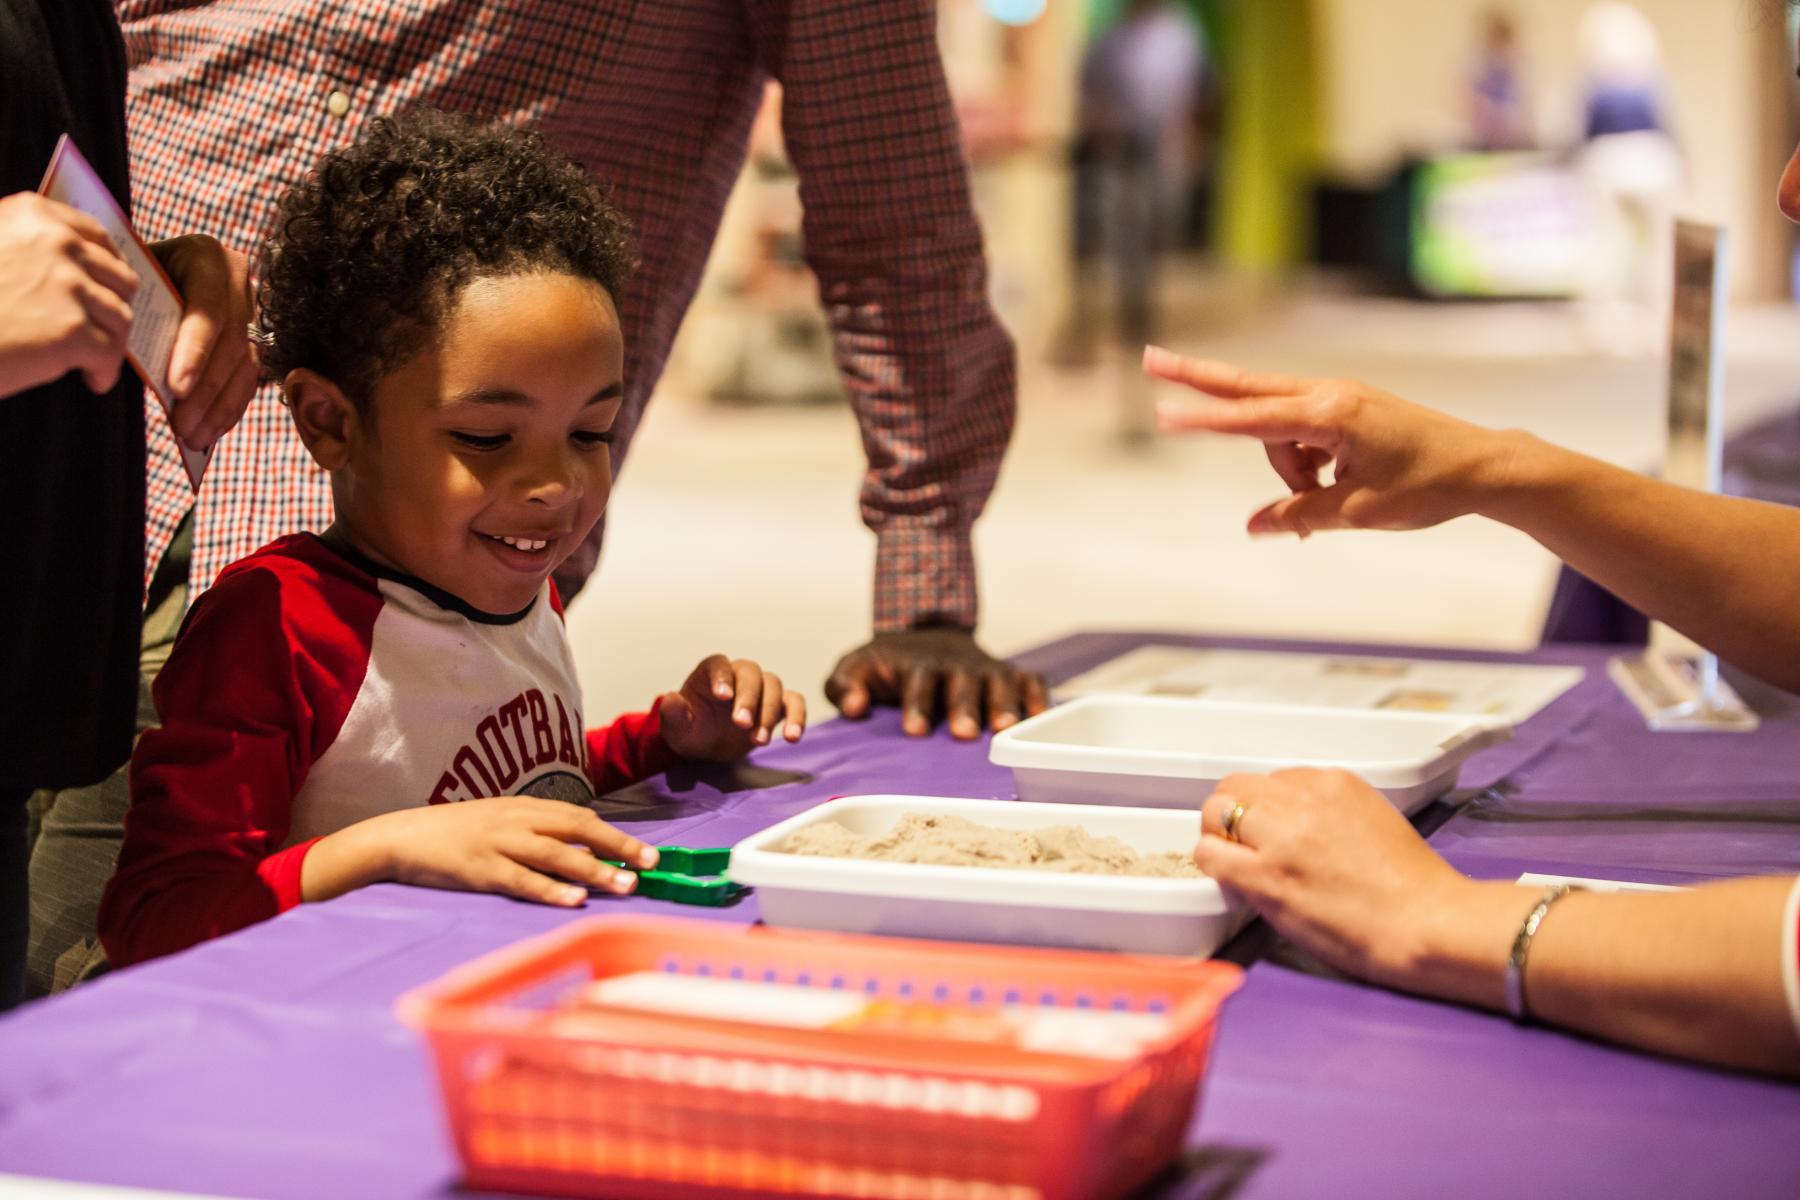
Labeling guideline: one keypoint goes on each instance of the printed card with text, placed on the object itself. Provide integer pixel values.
(156, 309)
(1537, 879)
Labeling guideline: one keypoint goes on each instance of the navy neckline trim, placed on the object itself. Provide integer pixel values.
(430, 591)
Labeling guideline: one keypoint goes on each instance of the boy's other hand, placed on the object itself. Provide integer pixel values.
(65, 296)
(513, 845)
(727, 708)
(211, 370)
(921, 670)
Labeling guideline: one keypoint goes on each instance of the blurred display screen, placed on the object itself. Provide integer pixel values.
(1498, 225)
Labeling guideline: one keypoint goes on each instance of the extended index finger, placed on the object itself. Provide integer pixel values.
(1218, 378)
(1269, 419)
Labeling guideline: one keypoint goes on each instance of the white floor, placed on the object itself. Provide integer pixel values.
(737, 529)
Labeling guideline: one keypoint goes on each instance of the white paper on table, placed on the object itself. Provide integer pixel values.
(156, 309)
(1595, 885)
(1504, 693)
(29, 1187)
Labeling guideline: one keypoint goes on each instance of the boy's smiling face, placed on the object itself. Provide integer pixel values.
(480, 463)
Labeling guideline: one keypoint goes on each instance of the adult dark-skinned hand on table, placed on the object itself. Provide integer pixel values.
(933, 671)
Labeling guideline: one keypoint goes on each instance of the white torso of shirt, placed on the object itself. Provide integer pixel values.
(451, 708)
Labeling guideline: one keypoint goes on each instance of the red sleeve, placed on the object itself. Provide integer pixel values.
(257, 687)
(630, 749)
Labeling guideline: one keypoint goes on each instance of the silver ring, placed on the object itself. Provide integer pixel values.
(1233, 819)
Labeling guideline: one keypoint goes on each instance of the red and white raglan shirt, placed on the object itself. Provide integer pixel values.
(310, 690)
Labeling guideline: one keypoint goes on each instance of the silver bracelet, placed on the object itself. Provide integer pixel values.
(1515, 962)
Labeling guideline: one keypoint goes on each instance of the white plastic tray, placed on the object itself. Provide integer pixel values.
(1138, 915)
(1168, 752)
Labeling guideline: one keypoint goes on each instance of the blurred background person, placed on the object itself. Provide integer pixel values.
(781, 342)
(1622, 68)
(1499, 111)
(1634, 172)
(1143, 87)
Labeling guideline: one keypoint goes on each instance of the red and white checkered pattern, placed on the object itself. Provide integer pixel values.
(231, 100)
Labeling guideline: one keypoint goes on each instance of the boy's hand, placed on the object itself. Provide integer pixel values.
(726, 708)
(514, 845)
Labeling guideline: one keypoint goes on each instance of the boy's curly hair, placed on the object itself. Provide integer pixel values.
(370, 250)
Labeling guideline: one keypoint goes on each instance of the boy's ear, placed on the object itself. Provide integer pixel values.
(326, 419)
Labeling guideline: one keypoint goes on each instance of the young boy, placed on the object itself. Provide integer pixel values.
(395, 699)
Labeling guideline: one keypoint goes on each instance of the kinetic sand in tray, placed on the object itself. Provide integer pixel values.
(989, 897)
(953, 841)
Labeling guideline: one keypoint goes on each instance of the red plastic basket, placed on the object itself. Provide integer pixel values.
(659, 1106)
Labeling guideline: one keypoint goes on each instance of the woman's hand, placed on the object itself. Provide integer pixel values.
(727, 708)
(543, 850)
(1396, 465)
(1333, 866)
(65, 296)
(211, 370)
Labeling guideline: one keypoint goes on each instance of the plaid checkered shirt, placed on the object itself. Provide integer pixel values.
(232, 100)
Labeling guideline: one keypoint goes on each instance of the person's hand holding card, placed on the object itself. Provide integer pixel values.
(65, 296)
(212, 374)
(187, 329)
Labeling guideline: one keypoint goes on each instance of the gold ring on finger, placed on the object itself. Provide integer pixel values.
(1233, 819)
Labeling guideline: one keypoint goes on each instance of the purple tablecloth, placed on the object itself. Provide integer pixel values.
(269, 1064)
(1764, 460)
